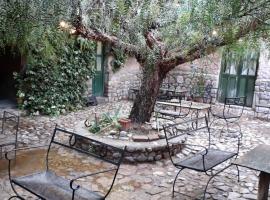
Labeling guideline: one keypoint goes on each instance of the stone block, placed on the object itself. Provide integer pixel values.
(139, 138)
(153, 137)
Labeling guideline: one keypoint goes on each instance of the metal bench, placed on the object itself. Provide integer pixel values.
(203, 156)
(50, 186)
(9, 130)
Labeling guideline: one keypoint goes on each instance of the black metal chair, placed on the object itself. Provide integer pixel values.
(50, 186)
(202, 157)
(9, 130)
(232, 111)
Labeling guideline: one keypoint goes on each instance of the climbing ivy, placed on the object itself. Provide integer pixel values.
(55, 84)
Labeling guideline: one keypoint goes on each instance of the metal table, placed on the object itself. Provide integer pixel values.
(178, 92)
(197, 107)
(258, 159)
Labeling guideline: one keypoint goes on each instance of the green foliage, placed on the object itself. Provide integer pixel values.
(106, 120)
(119, 59)
(22, 21)
(56, 83)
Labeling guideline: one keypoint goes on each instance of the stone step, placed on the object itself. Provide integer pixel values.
(102, 100)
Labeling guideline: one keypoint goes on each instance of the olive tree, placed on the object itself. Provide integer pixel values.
(163, 34)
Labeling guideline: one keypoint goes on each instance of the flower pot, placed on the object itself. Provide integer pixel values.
(125, 123)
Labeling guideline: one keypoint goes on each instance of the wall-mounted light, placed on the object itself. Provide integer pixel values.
(63, 24)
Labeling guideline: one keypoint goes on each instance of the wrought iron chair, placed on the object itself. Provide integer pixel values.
(203, 156)
(9, 130)
(232, 111)
(50, 186)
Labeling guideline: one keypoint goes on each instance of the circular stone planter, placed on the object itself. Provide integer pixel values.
(135, 151)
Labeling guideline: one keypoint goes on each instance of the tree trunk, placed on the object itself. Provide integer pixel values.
(146, 98)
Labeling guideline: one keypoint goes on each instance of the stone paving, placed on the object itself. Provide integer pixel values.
(151, 181)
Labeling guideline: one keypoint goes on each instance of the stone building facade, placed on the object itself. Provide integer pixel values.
(119, 83)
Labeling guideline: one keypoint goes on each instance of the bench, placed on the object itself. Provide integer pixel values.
(9, 130)
(50, 186)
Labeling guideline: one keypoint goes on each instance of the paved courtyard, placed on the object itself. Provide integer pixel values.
(143, 181)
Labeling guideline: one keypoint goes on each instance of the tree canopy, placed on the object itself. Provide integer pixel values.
(162, 34)
(23, 22)
(173, 31)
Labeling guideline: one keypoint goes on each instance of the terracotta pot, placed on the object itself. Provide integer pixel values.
(125, 123)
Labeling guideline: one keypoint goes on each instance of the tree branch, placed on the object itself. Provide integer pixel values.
(209, 47)
(102, 37)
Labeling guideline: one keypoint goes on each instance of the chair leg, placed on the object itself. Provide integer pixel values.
(175, 181)
(205, 189)
(238, 173)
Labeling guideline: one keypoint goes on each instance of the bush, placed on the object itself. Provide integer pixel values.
(58, 67)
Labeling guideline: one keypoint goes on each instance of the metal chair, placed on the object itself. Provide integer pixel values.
(203, 157)
(232, 111)
(9, 131)
(48, 185)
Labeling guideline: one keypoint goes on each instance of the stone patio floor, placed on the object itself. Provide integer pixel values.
(145, 181)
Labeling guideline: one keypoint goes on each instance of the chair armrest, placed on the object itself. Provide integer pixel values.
(22, 149)
(87, 175)
(206, 150)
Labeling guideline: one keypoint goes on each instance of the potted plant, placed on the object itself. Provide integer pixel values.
(124, 123)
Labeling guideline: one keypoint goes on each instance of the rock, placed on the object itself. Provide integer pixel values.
(140, 138)
(158, 157)
(141, 158)
(161, 135)
(250, 196)
(233, 195)
(123, 134)
(153, 137)
(113, 132)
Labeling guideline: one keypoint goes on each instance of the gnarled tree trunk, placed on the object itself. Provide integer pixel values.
(146, 98)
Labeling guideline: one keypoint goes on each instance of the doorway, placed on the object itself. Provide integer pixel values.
(238, 75)
(98, 80)
(10, 62)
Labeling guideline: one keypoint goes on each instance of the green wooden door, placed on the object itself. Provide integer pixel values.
(98, 80)
(238, 75)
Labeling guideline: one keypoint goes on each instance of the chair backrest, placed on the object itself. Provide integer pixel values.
(177, 133)
(231, 102)
(96, 149)
(10, 119)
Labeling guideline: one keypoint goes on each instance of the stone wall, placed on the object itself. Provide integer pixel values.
(262, 84)
(120, 82)
(188, 73)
